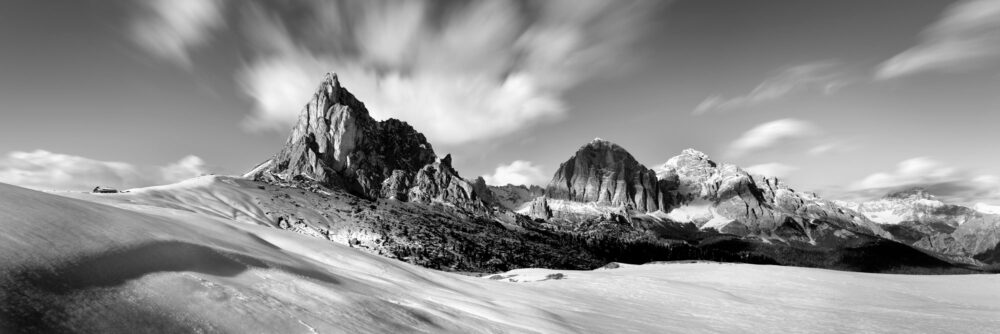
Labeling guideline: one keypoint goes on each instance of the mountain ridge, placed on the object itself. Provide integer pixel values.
(601, 195)
(920, 219)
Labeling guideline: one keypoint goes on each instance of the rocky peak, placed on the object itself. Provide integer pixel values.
(689, 159)
(440, 183)
(337, 143)
(603, 172)
(690, 171)
(445, 162)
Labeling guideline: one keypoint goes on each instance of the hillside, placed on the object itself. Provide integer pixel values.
(79, 266)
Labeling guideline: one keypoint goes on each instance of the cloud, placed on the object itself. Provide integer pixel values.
(966, 36)
(519, 172)
(169, 29)
(950, 183)
(769, 134)
(445, 67)
(830, 147)
(773, 169)
(45, 170)
(919, 170)
(824, 76)
(443, 107)
(188, 167)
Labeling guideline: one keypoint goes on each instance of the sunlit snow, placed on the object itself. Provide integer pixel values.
(69, 264)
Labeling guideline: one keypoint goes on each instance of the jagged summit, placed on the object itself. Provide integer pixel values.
(337, 94)
(336, 143)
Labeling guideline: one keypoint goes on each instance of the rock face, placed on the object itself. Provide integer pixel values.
(439, 182)
(603, 172)
(540, 208)
(691, 188)
(336, 143)
(513, 197)
(761, 205)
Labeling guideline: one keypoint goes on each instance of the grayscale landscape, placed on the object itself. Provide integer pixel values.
(213, 166)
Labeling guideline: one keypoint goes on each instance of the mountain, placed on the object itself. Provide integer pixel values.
(603, 180)
(747, 204)
(336, 143)
(918, 218)
(379, 186)
(605, 173)
(602, 190)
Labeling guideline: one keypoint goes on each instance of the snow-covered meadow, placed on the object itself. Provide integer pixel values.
(73, 265)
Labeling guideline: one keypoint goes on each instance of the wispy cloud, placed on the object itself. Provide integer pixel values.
(824, 76)
(966, 36)
(519, 172)
(445, 67)
(920, 170)
(46, 170)
(831, 145)
(951, 183)
(773, 169)
(769, 134)
(169, 29)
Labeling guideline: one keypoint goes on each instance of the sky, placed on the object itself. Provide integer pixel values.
(848, 99)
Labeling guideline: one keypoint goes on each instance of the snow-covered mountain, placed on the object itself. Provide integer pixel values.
(916, 217)
(759, 205)
(912, 205)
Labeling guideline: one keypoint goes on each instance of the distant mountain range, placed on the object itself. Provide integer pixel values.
(379, 185)
(917, 218)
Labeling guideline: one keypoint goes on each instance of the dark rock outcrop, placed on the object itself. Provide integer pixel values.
(603, 172)
(484, 192)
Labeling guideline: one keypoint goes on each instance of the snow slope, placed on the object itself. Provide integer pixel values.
(73, 265)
